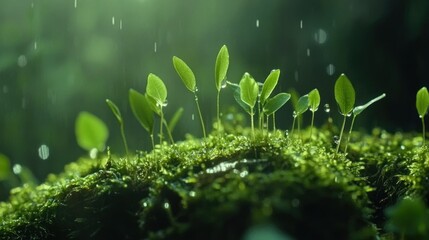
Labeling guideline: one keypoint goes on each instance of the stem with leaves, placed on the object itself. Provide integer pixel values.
(221, 68)
(117, 113)
(345, 97)
(422, 104)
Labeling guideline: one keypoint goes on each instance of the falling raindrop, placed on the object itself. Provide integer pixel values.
(287, 133)
(257, 23)
(154, 47)
(22, 61)
(35, 45)
(75, 3)
(113, 20)
(296, 76)
(43, 152)
(320, 36)
(300, 24)
(224, 83)
(308, 52)
(17, 169)
(326, 108)
(193, 117)
(120, 24)
(330, 69)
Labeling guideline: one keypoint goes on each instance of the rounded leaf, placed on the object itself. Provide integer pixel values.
(91, 132)
(275, 103)
(221, 66)
(344, 94)
(5, 168)
(422, 101)
(302, 105)
(141, 110)
(156, 89)
(269, 85)
(249, 90)
(185, 73)
(314, 100)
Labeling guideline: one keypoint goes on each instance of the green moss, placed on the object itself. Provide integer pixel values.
(223, 186)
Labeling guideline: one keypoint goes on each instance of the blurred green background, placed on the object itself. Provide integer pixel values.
(58, 58)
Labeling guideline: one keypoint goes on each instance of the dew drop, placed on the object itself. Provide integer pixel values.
(287, 133)
(336, 140)
(330, 69)
(320, 36)
(22, 61)
(224, 83)
(43, 152)
(145, 204)
(166, 205)
(192, 194)
(326, 108)
(17, 169)
(93, 153)
(294, 114)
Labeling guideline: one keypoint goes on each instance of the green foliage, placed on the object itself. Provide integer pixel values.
(313, 102)
(422, 102)
(269, 85)
(185, 73)
(357, 110)
(221, 67)
(302, 105)
(91, 132)
(175, 119)
(344, 94)
(156, 89)
(249, 90)
(409, 219)
(117, 113)
(5, 169)
(275, 103)
(141, 109)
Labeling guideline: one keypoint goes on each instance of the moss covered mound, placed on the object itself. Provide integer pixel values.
(226, 187)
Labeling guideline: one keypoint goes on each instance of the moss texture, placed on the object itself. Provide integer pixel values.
(227, 186)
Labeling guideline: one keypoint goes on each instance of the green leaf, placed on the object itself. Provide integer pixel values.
(275, 103)
(302, 105)
(175, 119)
(357, 110)
(185, 73)
(5, 168)
(141, 110)
(91, 132)
(115, 110)
(221, 67)
(269, 85)
(249, 90)
(156, 89)
(237, 97)
(422, 101)
(344, 94)
(314, 100)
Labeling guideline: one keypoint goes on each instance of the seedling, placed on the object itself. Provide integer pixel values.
(221, 68)
(267, 88)
(156, 93)
(356, 111)
(91, 132)
(188, 78)
(313, 102)
(117, 113)
(422, 104)
(175, 119)
(249, 94)
(141, 109)
(300, 108)
(275, 103)
(345, 97)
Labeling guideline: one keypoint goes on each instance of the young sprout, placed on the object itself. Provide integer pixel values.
(275, 103)
(314, 102)
(345, 97)
(141, 109)
(117, 113)
(156, 93)
(357, 110)
(267, 88)
(300, 108)
(422, 104)
(91, 132)
(249, 94)
(188, 78)
(175, 119)
(221, 68)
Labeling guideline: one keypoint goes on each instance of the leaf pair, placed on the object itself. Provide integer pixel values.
(271, 105)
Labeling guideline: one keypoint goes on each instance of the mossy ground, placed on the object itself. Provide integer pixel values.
(228, 186)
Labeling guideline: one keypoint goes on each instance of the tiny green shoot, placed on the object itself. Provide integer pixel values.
(314, 102)
(356, 111)
(249, 94)
(141, 109)
(91, 132)
(267, 88)
(157, 93)
(422, 104)
(221, 68)
(188, 78)
(345, 97)
(275, 103)
(117, 113)
(301, 107)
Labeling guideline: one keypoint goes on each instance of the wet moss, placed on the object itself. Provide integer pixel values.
(225, 186)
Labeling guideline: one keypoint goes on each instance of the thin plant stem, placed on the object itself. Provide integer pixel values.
(341, 133)
(350, 133)
(124, 139)
(312, 121)
(423, 132)
(253, 127)
(170, 136)
(201, 116)
(160, 126)
(152, 140)
(274, 121)
(293, 125)
(218, 114)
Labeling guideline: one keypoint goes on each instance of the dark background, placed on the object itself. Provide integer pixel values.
(58, 58)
